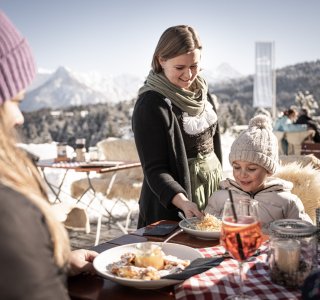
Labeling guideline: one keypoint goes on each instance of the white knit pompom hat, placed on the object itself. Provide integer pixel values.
(257, 145)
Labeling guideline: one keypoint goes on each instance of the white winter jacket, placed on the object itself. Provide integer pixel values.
(275, 201)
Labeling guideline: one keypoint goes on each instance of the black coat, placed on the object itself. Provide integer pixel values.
(304, 119)
(163, 157)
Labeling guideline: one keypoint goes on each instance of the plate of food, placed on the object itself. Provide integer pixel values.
(207, 228)
(141, 265)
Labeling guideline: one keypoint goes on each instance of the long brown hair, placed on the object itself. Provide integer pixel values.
(18, 172)
(174, 41)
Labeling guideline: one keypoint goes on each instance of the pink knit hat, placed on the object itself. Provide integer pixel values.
(17, 66)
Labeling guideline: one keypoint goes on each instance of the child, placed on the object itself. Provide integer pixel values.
(254, 159)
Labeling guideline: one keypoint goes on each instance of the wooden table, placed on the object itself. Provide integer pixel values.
(94, 287)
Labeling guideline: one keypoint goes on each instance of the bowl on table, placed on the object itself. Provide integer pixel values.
(194, 231)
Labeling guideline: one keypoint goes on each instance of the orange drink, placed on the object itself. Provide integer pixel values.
(241, 239)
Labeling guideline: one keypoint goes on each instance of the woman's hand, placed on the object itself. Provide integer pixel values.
(81, 262)
(189, 208)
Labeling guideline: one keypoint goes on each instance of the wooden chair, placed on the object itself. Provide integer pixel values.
(295, 140)
(121, 186)
(311, 148)
(127, 183)
(74, 218)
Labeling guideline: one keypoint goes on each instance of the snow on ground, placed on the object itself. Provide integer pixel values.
(119, 209)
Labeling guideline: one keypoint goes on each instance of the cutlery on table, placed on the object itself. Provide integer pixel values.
(181, 215)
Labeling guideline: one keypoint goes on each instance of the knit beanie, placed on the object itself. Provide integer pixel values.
(257, 144)
(17, 66)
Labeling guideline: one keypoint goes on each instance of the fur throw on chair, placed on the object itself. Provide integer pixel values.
(306, 185)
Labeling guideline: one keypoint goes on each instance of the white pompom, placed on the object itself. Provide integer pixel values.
(261, 121)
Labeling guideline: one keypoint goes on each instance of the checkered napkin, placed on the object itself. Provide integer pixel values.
(222, 281)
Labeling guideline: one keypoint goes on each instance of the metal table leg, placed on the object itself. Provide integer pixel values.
(51, 187)
(101, 214)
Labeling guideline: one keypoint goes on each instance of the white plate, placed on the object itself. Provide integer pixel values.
(112, 255)
(201, 234)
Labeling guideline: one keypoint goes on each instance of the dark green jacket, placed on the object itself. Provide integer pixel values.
(163, 157)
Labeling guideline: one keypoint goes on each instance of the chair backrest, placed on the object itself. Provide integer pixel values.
(295, 140)
(122, 150)
(279, 135)
(311, 148)
(118, 149)
(127, 183)
(306, 184)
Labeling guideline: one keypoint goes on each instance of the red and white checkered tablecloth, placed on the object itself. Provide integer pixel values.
(223, 280)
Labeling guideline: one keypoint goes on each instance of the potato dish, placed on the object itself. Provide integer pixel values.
(132, 266)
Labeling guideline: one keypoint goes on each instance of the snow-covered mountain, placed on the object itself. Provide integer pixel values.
(222, 73)
(64, 87)
(41, 77)
(115, 88)
(60, 90)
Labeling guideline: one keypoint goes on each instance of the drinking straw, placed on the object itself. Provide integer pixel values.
(318, 221)
(240, 246)
(232, 207)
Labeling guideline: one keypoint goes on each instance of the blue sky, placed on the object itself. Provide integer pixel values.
(119, 36)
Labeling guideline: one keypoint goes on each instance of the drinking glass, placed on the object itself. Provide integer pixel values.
(240, 233)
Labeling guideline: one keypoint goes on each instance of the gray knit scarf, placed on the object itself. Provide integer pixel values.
(191, 102)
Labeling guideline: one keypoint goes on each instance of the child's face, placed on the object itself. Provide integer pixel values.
(249, 176)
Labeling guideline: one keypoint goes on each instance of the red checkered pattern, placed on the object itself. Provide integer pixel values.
(223, 280)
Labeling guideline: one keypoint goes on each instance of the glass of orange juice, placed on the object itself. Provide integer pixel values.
(240, 234)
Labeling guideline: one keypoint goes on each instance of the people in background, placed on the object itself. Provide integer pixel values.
(35, 255)
(305, 118)
(176, 131)
(287, 123)
(254, 159)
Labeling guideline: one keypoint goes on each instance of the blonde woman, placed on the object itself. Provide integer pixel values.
(35, 255)
(176, 131)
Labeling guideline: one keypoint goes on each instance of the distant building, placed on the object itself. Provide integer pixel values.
(55, 113)
(83, 113)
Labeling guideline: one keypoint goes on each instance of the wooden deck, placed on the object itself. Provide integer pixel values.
(80, 239)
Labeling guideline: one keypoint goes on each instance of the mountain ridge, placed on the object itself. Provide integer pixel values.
(64, 87)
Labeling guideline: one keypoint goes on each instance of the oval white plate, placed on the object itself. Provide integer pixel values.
(112, 255)
(205, 235)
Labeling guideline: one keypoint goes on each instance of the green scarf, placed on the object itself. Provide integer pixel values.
(191, 102)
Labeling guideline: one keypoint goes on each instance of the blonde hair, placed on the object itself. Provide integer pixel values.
(19, 173)
(175, 41)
